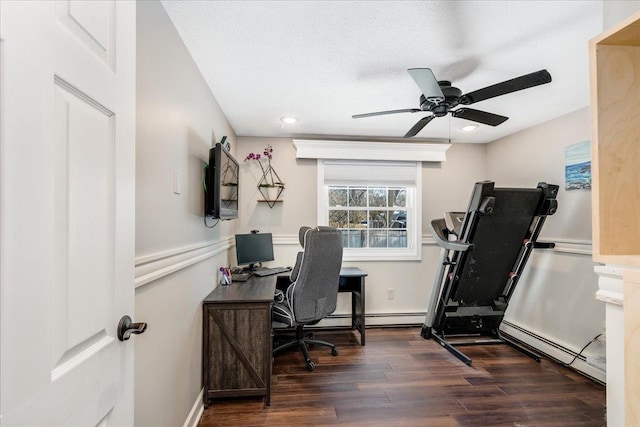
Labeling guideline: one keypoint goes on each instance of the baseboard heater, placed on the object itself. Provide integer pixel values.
(589, 371)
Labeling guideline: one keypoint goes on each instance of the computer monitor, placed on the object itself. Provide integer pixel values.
(254, 248)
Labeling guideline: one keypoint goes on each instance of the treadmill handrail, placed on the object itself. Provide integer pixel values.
(437, 226)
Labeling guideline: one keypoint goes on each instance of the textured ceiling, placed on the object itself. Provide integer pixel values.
(324, 61)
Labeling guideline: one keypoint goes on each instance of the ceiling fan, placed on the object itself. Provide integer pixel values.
(439, 98)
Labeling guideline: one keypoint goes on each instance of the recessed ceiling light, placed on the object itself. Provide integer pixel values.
(289, 119)
(469, 128)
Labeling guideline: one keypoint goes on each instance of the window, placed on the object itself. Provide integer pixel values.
(369, 217)
(375, 205)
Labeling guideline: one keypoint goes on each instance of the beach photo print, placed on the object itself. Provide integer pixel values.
(577, 169)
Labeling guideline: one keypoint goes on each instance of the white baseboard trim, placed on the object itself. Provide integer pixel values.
(553, 350)
(196, 412)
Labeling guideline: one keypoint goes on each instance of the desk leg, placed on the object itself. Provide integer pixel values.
(358, 311)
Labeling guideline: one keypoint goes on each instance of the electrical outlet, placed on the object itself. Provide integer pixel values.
(391, 293)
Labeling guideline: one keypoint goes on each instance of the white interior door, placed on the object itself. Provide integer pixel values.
(67, 129)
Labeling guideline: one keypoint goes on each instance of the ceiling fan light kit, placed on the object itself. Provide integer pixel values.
(440, 98)
(289, 119)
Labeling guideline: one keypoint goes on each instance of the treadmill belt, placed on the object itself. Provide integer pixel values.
(498, 239)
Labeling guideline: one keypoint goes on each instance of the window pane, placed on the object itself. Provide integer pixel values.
(358, 197)
(339, 218)
(357, 238)
(397, 238)
(369, 217)
(377, 238)
(377, 197)
(398, 219)
(378, 219)
(345, 238)
(357, 219)
(338, 196)
(397, 197)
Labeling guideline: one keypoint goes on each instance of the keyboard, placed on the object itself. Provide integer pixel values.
(270, 271)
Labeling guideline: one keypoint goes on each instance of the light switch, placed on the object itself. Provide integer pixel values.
(177, 186)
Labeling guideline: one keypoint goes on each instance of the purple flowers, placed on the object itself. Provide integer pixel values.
(266, 153)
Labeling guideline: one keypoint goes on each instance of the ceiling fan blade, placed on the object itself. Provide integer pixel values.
(479, 116)
(418, 126)
(519, 83)
(380, 113)
(427, 83)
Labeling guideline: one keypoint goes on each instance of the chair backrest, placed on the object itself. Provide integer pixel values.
(314, 293)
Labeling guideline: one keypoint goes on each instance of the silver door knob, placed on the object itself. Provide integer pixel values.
(126, 327)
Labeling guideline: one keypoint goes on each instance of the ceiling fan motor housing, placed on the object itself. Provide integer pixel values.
(451, 100)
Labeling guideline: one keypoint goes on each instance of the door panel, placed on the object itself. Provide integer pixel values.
(92, 23)
(84, 208)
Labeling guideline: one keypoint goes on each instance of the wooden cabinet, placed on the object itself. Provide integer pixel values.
(615, 129)
(236, 348)
(615, 115)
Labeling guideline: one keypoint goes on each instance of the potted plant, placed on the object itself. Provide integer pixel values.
(270, 185)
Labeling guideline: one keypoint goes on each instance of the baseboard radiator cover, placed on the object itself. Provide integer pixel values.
(552, 350)
(374, 319)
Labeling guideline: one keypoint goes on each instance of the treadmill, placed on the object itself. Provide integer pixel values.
(483, 254)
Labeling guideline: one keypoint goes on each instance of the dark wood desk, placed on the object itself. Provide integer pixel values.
(237, 334)
(236, 339)
(352, 280)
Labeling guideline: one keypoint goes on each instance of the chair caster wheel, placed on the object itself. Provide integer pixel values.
(310, 366)
(334, 351)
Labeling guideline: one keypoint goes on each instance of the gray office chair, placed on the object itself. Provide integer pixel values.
(313, 292)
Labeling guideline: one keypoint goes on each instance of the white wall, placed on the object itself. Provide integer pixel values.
(445, 187)
(554, 299)
(614, 11)
(176, 256)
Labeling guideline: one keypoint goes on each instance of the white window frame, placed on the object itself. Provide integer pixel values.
(413, 251)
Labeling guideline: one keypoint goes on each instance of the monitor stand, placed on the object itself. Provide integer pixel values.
(252, 267)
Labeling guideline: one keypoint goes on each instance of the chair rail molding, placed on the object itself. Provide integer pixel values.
(571, 246)
(149, 268)
(364, 150)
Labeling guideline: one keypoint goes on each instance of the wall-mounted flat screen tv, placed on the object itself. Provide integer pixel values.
(221, 194)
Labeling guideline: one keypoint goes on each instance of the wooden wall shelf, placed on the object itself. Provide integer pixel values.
(615, 128)
(271, 203)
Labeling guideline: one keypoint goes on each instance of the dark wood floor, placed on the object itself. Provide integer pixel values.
(400, 379)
